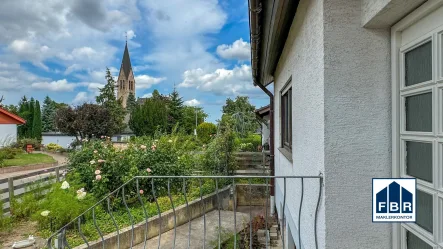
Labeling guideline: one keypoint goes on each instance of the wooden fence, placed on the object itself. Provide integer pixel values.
(14, 187)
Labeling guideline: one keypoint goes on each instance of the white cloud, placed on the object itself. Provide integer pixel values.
(192, 102)
(222, 81)
(183, 27)
(80, 98)
(146, 81)
(130, 34)
(147, 95)
(13, 78)
(54, 86)
(239, 50)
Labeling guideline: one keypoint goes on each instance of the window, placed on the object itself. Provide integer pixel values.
(286, 116)
(418, 123)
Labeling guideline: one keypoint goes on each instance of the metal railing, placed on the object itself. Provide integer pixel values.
(193, 200)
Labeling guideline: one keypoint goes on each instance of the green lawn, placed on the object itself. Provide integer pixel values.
(26, 159)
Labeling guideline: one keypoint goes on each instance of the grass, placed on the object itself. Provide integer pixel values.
(27, 159)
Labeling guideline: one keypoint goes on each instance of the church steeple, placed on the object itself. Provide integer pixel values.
(126, 81)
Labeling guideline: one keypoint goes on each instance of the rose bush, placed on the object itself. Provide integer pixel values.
(103, 168)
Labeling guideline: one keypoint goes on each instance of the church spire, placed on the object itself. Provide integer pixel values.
(126, 62)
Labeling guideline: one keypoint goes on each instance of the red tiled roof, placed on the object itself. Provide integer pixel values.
(10, 118)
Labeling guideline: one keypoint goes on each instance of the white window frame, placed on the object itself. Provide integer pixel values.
(399, 91)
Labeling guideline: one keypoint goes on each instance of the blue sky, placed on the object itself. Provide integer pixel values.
(61, 48)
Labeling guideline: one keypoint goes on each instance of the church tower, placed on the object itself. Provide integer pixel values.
(126, 82)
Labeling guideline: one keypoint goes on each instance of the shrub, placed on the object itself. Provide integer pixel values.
(63, 206)
(22, 143)
(103, 168)
(9, 152)
(219, 158)
(53, 147)
(205, 131)
(250, 143)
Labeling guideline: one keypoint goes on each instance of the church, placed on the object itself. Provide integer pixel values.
(126, 80)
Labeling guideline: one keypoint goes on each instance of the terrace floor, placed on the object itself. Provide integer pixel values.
(197, 230)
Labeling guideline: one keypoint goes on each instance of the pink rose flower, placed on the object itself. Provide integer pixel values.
(143, 147)
(141, 191)
(148, 170)
(98, 177)
(97, 172)
(101, 161)
(153, 147)
(95, 151)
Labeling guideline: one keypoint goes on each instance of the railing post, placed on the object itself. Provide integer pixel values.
(57, 174)
(11, 189)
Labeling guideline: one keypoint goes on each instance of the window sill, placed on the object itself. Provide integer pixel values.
(287, 153)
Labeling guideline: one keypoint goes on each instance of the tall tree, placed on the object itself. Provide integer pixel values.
(107, 99)
(85, 121)
(242, 113)
(131, 102)
(30, 119)
(147, 118)
(37, 122)
(175, 109)
(48, 114)
(188, 121)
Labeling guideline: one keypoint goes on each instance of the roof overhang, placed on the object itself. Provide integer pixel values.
(263, 111)
(269, 25)
(10, 118)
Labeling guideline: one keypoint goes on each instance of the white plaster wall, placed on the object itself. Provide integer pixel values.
(8, 134)
(385, 13)
(61, 140)
(357, 106)
(302, 58)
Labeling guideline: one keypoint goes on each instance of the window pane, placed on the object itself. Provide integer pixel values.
(419, 112)
(418, 64)
(419, 160)
(414, 242)
(424, 211)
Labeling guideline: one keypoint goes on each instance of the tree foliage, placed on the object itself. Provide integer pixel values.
(152, 115)
(107, 99)
(49, 109)
(85, 121)
(205, 131)
(188, 121)
(243, 115)
(29, 110)
(37, 122)
(175, 109)
(131, 102)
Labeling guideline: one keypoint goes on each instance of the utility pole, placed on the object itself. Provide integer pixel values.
(195, 130)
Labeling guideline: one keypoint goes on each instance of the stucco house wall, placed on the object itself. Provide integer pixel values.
(8, 134)
(303, 59)
(341, 119)
(357, 107)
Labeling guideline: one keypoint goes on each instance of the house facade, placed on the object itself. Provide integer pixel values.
(357, 94)
(8, 127)
(263, 115)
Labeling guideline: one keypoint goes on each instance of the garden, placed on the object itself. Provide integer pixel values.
(98, 168)
(15, 154)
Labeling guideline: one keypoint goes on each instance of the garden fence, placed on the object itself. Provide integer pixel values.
(14, 187)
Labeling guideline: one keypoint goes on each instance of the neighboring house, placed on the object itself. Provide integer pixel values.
(8, 127)
(263, 115)
(357, 94)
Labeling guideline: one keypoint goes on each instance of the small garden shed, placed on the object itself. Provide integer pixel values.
(8, 127)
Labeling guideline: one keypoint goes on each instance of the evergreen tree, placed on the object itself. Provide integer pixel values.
(243, 115)
(107, 99)
(23, 112)
(37, 122)
(30, 119)
(175, 109)
(48, 114)
(147, 118)
(131, 103)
